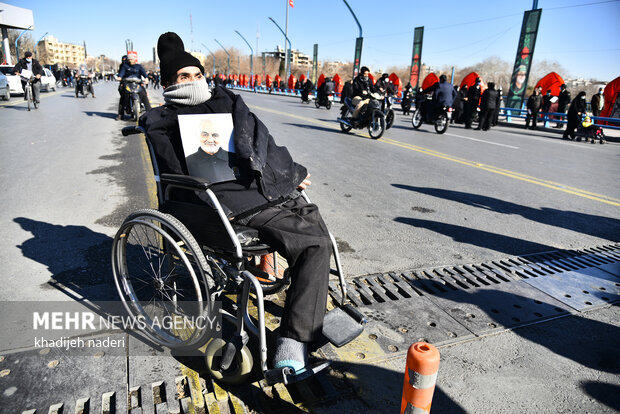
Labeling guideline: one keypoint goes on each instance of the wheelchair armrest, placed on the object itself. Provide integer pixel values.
(185, 181)
(134, 129)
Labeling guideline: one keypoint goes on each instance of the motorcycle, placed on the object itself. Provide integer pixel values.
(386, 108)
(441, 118)
(323, 100)
(82, 85)
(370, 116)
(133, 104)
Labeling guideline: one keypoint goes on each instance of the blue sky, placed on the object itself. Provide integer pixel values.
(581, 35)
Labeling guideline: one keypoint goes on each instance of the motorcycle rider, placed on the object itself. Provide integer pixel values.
(385, 88)
(35, 67)
(306, 88)
(405, 103)
(131, 70)
(443, 96)
(362, 88)
(323, 92)
(83, 70)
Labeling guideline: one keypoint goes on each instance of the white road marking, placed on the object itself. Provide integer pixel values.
(481, 140)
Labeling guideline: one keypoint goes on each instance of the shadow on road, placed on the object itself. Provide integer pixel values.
(315, 127)
(77, 257)
(108, 115)
(593, 225)
(608, 394)
(481, 238)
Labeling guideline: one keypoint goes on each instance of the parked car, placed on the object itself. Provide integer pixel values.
(15, 84)
(48, 81)
(5, 90)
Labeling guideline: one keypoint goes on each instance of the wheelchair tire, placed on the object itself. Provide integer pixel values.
(240, 368)
(160, 271)
(328, 105)
(317, 104)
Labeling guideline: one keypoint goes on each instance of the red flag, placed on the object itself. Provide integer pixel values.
(290, 3)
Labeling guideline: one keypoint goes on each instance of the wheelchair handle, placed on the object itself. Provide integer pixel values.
(134, 129)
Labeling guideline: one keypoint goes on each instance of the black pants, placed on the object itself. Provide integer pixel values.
(571, 124)
(533, 117)
(486, 117)
(468, 116)
(297, 231)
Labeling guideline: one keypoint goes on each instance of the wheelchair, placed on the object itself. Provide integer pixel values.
(178, 260)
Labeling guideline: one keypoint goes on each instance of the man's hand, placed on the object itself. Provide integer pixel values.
(305, 183)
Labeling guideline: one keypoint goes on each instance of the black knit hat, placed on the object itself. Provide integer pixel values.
(172, 57)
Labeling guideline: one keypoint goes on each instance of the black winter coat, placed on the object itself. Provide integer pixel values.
(273, 168)
(362, 87)
(576, 107)
(563, 100)
(473, 95)
(490, 99)
(534, 102)
(37, 69)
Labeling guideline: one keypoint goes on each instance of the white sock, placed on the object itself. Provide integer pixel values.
(291, 353)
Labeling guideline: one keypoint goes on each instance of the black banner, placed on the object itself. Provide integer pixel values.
(315, 64)
(523, 61)
(416, 57)
(358, 56)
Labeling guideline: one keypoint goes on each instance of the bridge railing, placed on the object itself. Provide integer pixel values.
(557, 117)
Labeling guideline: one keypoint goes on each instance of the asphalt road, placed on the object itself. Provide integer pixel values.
(412, 199)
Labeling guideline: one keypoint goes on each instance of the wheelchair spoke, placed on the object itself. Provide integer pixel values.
(160, 271)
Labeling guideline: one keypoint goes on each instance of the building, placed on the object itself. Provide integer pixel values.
(50, 51)
(297, 58)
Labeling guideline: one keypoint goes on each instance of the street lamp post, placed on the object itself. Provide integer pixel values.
(17, 40)
(209, 50)
(288, 68)
(251, 59)
(36, 46)
(228, 61)
(358, 44)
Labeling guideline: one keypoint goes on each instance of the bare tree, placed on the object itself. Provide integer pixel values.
(26, 43)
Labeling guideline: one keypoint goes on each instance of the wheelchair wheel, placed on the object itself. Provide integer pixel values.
(162, 277)
(316, 103)
(238, 371)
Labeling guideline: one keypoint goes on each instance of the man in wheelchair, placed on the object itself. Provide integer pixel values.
(264, 193)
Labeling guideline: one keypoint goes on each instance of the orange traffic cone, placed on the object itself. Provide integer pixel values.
(420, 377)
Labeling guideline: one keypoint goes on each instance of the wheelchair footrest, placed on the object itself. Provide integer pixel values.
(287, 375)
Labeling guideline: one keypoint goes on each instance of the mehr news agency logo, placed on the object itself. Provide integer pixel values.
(89, 322)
